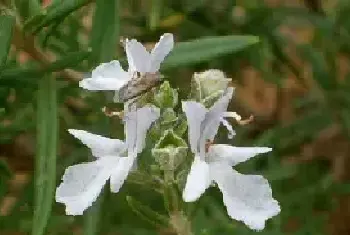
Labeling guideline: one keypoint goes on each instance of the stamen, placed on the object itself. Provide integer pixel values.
(110, 113)
(231, 132)
(234, 115)
(238, 118)
(246, 121)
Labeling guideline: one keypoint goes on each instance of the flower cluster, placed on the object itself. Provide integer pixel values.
(248, 198)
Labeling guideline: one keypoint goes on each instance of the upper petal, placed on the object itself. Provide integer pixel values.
(160, 51)
(198, 180)
(106, 76)
(139, 58)
(248, 198)
(82, 183)
(119, 175)
(100, 146)
(214, 116)
(195, 114)
(111, 69)
(234, 155)
(137, 122)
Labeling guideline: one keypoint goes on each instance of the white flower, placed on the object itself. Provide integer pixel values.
(204, 123)
(111, 76)
(248, 198)
(82, 183)
(106, 77)
(142, 61)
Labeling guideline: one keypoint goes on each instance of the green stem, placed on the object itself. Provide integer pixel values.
(178, 220)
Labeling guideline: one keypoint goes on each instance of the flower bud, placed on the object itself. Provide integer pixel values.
(170, 151)
(211, 83)
(168, 117)
(166, 97)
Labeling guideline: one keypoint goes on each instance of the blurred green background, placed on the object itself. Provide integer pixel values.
(295, 81)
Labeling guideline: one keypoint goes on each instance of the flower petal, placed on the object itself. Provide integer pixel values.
(231, 132)
(139, 58)
(82, 183)
(248, 198)
(119, 175)
(214, 116)
(234, 155)
(195, 114)
(100, 146)
(112, 69)
(102, 84)
(137, 123)
(106, 76)
(198, 180)
(160, 51)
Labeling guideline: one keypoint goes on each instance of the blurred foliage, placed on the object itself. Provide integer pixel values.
(295, 81)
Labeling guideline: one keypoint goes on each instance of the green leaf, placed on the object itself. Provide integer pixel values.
(6, 22)
(33, 21)
(11, 77)
(70, 60)
(155, 13)
(45, 161)
(105, 30)
(205, 49)
(27, 8)
(55, 12)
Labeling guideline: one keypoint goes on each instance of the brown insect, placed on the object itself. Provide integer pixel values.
(137, 86)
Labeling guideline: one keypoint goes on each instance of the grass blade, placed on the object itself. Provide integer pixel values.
(45, 162)
(6, 29)
(105, 37)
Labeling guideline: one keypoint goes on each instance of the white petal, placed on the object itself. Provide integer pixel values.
(231, 132)
(248, 198)
(214, 116)
(195, 114)
(137, 123)
(106, 76)
(100, 146)
(145, 117)
(102, 84)
(111, 69)
(83, 183)
(130, 128)
(198, 180)
(160, 51)
(139, 58)
(119, 175)
(234, 155)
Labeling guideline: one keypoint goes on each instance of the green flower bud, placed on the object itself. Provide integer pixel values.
(209, 83)
(166, 97)
(181, 126)
(168, 116)
(170, 151)
(211, 99)
(167, 120)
